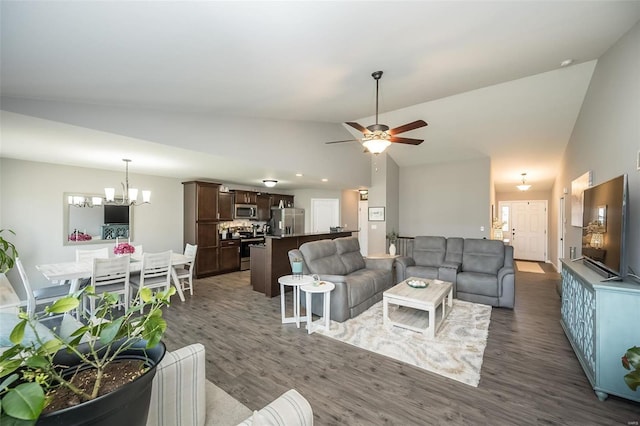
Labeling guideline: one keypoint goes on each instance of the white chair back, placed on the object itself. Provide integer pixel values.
(31, 300)
(89, 255)
(190, 250)
(156, 267)
(114, 273)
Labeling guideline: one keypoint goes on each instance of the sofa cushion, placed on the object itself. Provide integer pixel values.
(455, 247)
(361, 286)
(477, 283)
(422, 272)
(429, 251)
(484, 256)
(349, 250)
(322, 257)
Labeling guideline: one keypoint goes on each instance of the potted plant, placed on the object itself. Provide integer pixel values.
(100, 373)
(631, 361)
(392, 237)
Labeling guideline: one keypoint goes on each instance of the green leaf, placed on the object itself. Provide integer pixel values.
(25, 401)
(50, 347)
(37, 361)
(9, 366)
(146, 294)
(110, 331)
(63, 305)
(7, 382)
(17, 334)
(633, 380)
(633, 357)
(153, 330)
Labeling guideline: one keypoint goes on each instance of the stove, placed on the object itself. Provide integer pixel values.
(245, 250)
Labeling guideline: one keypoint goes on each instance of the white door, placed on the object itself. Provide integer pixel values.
(363, 222)
(325, 213)
(529, 229)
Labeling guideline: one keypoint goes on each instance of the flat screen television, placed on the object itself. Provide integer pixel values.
(604, 223)
(116, 214)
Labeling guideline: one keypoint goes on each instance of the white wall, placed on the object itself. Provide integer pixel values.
(32, 206)
(447, 199)
(606, 140)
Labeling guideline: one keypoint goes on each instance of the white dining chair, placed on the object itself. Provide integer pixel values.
(184, 273)
(89, 255)
(155, 273)
(108, 276)
(40, 295)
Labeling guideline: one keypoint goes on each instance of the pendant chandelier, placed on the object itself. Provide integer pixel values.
(523, 186)
(129, 195)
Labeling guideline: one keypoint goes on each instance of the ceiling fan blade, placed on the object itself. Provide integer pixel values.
(358, 127)
(348, 140)
(409, 141)
(409, 126)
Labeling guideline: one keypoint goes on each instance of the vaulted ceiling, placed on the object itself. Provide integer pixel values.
(485, 75)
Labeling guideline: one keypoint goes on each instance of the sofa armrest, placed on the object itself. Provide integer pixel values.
(503, 272)
(289, 409)
(386, 263)
(178, 388)
(333, 278)
(452, 265)
(448, 271)
(402, 262)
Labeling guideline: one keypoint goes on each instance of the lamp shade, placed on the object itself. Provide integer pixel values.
(269, 183)
(376, 146)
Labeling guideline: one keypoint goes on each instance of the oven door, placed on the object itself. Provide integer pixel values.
(245, 251)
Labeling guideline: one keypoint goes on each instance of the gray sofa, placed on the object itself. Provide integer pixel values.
(359, 282)
(481, 270)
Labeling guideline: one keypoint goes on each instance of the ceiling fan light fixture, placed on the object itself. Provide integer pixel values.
(269, 183)
(523, 186)
(376, 142)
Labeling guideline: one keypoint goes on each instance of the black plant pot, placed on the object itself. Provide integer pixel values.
(127, 405)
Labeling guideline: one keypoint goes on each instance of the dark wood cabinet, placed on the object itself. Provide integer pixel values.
(287, 200)
(229, 256)
(225, 206)
(201, 224)
(246, 197)
(264, 207)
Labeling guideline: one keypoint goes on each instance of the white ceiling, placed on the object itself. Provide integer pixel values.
(483, 74)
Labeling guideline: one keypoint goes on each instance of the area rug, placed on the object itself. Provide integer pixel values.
(222, 408)
(529, 267)
(456, 352)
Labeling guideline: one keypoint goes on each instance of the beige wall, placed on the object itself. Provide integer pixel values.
(606, 140)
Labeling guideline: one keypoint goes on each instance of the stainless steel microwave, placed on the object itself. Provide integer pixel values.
(246, 211)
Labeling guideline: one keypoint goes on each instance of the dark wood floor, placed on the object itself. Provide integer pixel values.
(530, 375)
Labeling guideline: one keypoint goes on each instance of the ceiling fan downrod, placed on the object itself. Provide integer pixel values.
(376, 76)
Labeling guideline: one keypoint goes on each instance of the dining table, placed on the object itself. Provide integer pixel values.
(76, 271)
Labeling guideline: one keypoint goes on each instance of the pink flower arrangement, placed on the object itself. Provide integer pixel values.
(124, 248)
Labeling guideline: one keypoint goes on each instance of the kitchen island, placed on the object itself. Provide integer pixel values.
(272, 261)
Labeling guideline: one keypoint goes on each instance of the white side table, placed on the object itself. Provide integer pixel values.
(325, 288)
(295, 282)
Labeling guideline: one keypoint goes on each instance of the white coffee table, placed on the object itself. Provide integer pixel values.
(325, 288)
(438, 295)
(294, 281)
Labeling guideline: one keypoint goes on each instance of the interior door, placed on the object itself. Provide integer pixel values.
(325, 213)
(561, 231)
(363, 228)
(529, 229)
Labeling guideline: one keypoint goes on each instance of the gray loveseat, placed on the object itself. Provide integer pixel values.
(359, 282)
(481, 270)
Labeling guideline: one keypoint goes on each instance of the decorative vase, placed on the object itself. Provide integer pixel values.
(128, 404)
(392, 249)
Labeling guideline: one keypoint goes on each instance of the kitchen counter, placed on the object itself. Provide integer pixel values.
(276, 257)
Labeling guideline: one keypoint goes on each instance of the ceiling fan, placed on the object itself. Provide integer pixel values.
(377, 137)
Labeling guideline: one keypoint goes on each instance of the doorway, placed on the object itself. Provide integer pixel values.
(526, 225)
(561, 231)
(363, 227)
(325, 213)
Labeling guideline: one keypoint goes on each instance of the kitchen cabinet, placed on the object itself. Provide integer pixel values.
(264, 207)
(229, 256)
(201, 224)
(287, 200)
(246, 197)
(225, 206)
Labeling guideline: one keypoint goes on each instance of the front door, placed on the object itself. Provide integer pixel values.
(528, 228)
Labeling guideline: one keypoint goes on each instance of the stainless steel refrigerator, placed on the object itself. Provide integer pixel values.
(287, 221)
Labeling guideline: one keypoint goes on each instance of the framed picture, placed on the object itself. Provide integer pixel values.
(578, 185)
(376, 214)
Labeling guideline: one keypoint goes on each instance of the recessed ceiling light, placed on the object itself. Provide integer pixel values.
(325, 180)
(566, 63)
(299, 174)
